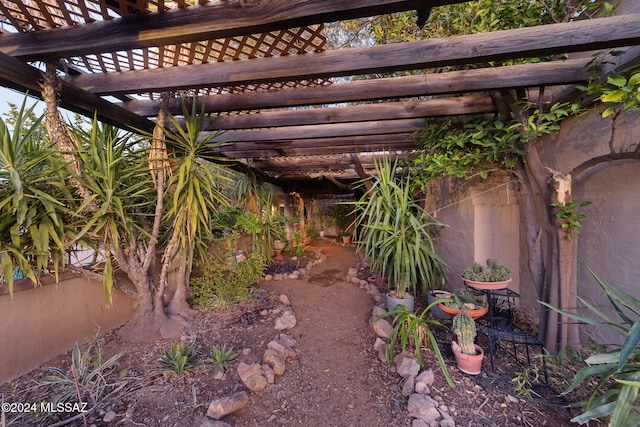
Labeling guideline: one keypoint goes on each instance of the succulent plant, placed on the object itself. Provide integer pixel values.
(465, 329)
(464, 299)
(495, 271)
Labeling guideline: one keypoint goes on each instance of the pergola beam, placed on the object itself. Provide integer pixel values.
(21, 76)
(452, 82)
(472, 104)
(215, 20)
(375, 127)
(544, 40)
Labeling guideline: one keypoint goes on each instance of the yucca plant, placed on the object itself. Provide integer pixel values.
(413, 330)
(86, 378)
(397, 234)
(617, 371)
(35, 204)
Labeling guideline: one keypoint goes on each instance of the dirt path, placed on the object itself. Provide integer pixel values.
(335, 380)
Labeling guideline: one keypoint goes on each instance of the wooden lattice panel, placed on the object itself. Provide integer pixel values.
(34, 15)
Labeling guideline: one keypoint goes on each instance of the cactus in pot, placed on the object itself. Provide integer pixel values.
(465, 329)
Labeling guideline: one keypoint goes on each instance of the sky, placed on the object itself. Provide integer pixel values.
(15, 97)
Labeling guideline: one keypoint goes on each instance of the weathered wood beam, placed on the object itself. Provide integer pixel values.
(27, 78)
(377, 141)
(214, 20)
(319, 150)
(315, 163)
(472, 104)
(543, 40)
(375, 127)
(452, 82)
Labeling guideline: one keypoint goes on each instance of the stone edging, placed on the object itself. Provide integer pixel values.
(425, 409)
(258, 376)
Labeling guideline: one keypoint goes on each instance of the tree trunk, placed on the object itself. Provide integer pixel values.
(178, 304)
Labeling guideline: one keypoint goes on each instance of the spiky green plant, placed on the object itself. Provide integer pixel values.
(86, 378)
(222, 357)
(411, 329)
(397, 234)
(465, 329)
(35, 204)
(617, 370)
(179, 359)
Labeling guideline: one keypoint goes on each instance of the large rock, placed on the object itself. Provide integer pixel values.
(252, 377)
(381, 327)
(408, 367)
(286, 321)
(287, 339)
(423, 407)
(281, 348)
(224, 406)
(424, 381)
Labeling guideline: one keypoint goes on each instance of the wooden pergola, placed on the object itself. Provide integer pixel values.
(264, 72)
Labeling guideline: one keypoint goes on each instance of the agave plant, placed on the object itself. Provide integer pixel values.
(618, 370)
(397, 234)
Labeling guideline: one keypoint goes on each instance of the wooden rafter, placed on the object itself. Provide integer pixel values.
(542, 40)
(471, 104)
(525, 75)
(211, 21)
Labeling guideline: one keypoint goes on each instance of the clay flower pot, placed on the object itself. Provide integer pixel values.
(452, 311)
(487, 285)
(468, 363)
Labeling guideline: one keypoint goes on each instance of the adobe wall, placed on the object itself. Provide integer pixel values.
(40, 323)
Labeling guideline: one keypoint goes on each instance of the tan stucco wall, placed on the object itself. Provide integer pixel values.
(482, 218)
(40, 323)
(483, 222)
(609, 242)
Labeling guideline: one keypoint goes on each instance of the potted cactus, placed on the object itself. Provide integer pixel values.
(463, 300)
(468, 354)
(494, 275)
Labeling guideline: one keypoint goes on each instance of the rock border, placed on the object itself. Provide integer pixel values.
(258, 376)
(425, 409)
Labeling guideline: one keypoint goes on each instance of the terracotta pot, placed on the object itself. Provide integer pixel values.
(451, 311)
(487, 285)
(346, 239)
(468, 363)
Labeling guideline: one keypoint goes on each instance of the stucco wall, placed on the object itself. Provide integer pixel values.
(608, 242)
(485, 220)
(482, 218)
(40, 323)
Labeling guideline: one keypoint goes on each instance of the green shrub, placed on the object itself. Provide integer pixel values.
(224, 283)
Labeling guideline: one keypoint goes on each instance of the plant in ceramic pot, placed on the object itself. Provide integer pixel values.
(398, 236)
(494, 275)
(463, 300)
(468, 354)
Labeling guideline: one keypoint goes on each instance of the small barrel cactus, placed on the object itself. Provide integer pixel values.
(465, 329)
(495, 271)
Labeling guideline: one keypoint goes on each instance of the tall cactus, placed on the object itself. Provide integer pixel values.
(465, 329)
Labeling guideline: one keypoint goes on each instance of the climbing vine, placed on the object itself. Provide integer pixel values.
(571, 218)
(468, 146)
